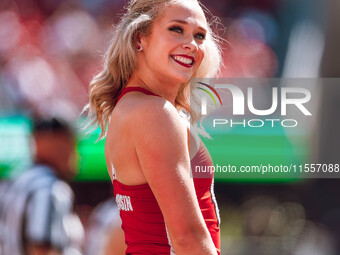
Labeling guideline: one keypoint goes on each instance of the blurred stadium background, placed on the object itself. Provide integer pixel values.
(50, 49)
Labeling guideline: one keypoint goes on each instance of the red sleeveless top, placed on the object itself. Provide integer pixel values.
(142, 220)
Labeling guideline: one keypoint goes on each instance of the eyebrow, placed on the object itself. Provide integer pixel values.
(185, 23)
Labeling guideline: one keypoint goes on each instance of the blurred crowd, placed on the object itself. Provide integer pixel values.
(50, 49)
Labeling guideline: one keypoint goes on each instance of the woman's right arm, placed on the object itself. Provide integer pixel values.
(160, 137)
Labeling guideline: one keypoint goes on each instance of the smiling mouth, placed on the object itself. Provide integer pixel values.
(184, 60)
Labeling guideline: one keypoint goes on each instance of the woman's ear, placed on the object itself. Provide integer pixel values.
(141, 39)
(138, 38)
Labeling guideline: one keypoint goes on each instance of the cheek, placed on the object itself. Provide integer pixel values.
(200, 54)
(66, 149)
(157, 52)
(165, 45)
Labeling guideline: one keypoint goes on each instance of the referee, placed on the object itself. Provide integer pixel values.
(36, 211)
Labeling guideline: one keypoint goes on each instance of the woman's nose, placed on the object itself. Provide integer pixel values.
(190, 44)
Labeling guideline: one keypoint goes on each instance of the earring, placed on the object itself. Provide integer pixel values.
(139, 47)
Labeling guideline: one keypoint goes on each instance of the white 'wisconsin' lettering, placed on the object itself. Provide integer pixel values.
(124, 203)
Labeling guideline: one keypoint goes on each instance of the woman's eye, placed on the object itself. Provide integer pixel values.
(200, 36)
(176, 29)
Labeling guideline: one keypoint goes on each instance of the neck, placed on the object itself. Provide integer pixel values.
(54, 167)
(168, 92)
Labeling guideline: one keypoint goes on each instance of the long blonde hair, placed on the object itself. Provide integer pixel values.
(120, 62)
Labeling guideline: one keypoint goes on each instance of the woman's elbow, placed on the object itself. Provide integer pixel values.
(193, 240)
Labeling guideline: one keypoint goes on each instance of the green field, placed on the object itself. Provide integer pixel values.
(235, 147)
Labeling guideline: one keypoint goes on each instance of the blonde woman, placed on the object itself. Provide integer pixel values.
(158, 47)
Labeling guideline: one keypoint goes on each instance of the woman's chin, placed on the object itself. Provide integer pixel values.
(182, 78)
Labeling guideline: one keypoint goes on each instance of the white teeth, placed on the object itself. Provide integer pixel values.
(183, 60)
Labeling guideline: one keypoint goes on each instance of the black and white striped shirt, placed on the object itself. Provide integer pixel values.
(37, 207)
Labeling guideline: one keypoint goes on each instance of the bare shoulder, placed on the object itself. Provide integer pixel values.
(156, 107)
(149, 121)
(154, 115)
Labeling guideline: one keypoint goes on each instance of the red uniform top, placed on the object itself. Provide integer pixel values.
(142, 219)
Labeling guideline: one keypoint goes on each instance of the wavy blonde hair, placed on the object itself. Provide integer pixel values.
(120, 62)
